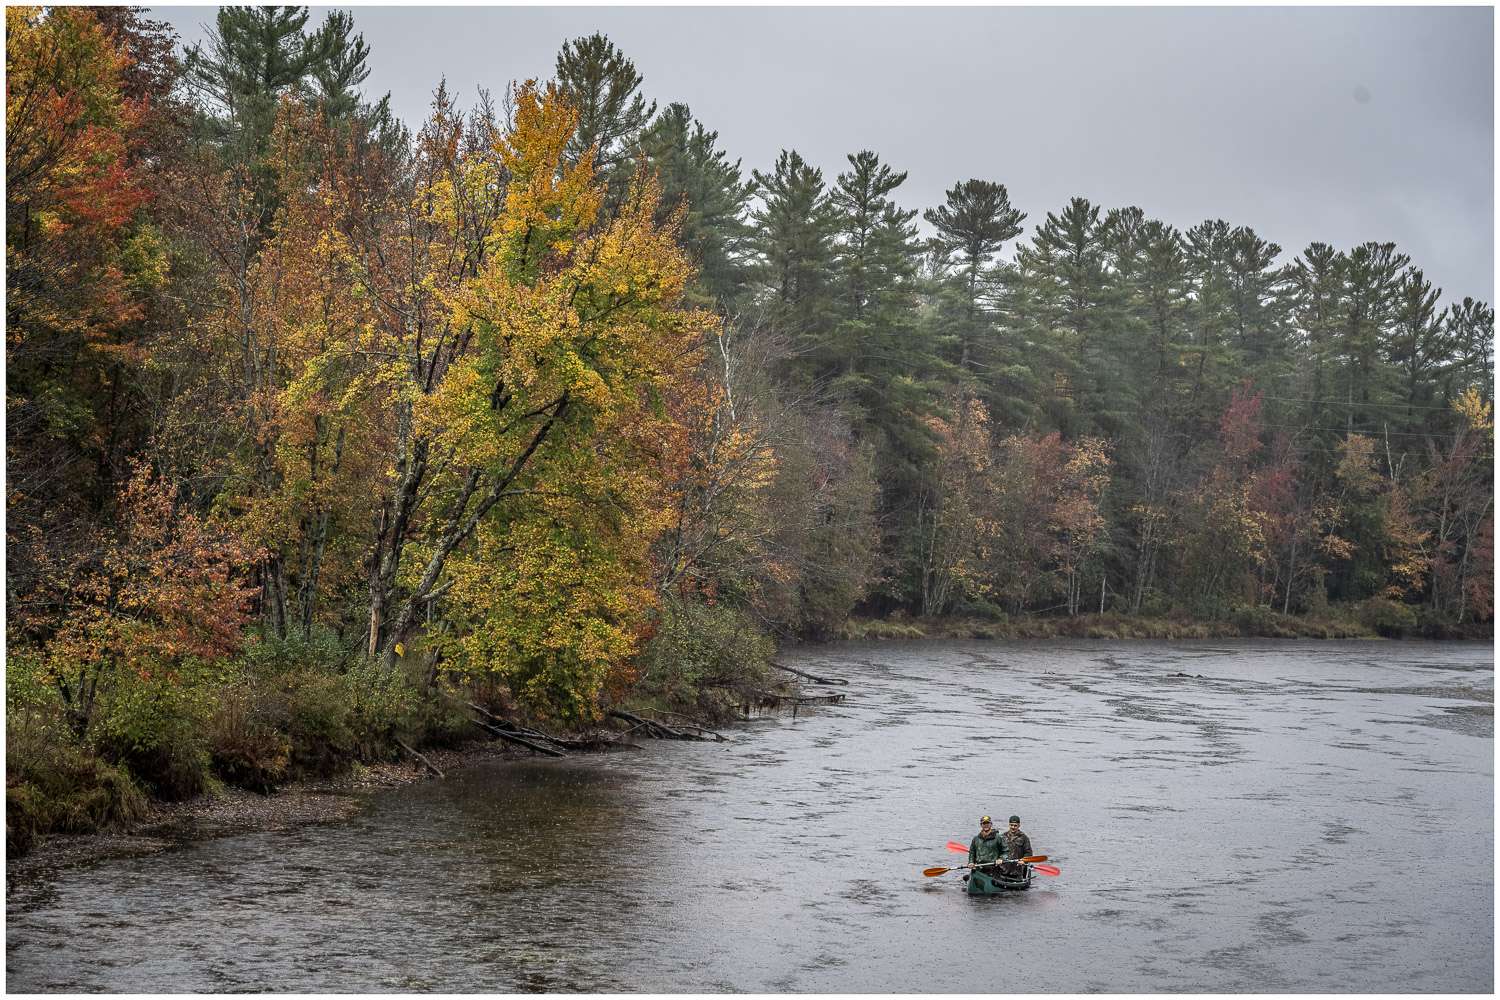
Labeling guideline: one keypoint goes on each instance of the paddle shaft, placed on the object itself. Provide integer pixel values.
(1028, 860)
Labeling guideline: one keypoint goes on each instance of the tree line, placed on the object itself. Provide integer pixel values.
(551, 394)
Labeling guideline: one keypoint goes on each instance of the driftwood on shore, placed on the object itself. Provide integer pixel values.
(425, 762)
(537, 741)
(812, 677)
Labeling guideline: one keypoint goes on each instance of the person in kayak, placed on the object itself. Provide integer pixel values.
(1013, 844)
(986, 848)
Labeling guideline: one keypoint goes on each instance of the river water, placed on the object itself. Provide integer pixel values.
(1240, 816)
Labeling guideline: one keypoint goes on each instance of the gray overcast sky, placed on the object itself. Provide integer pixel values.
(1333, 124)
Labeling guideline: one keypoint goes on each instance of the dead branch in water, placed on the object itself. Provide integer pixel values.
(812, 677)
(519, 740)
(653, 728)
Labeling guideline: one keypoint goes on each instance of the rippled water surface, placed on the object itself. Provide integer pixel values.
(1235, 816)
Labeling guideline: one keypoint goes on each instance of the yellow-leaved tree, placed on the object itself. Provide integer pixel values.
(556, 422)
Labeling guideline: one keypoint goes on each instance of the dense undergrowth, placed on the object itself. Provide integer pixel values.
(704, 660)
(288, 710)
(281, 711)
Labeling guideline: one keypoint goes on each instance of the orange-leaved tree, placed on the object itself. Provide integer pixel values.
(77, 260)
(160, 588)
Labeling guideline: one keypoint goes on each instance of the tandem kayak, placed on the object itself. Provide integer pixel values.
(984, 882)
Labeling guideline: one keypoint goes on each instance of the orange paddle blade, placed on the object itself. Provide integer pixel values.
(929, 872)
(954, 845)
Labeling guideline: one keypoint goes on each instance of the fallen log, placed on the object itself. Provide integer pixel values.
(660, 730)
(512, 728)
(425, 762)
(519, 740)
(688, 723)
(812, 677)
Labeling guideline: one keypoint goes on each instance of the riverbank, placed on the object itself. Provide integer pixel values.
(228, 811)
(1254, 623)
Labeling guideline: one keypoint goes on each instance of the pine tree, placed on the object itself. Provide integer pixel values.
(1079, 310)
(1372, 274)
(1471, 334)
(255, 56)
(1315, 283)
(342, 69)
(601, 85)
(891, 377)
(1418, 347)
(793, 243)
(1255, 288)
(973, 224)
(697, 177)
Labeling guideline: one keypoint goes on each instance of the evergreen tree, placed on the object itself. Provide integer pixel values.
(1471, 336)
(697, 177)
(891, 376)
(1418, 347)
(342, 69)
(1079, 311)
(972, 225)
(1255, 289)
(1213, 320)
(601, 85)
(1315, 282)
(1372, 274)
(793, 243)
(255, 56)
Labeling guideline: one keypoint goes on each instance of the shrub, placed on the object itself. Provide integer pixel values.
(1386, 617)
(1261, 621)
(55, 784)
(245, 747)
(700, 647)
(156, 726)
(978, 607)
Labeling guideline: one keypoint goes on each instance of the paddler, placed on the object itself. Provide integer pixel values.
(986, 848)
(1013, 844)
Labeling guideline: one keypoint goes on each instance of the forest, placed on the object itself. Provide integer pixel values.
(318, 420)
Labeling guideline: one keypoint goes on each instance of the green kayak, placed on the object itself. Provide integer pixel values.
(988, 882)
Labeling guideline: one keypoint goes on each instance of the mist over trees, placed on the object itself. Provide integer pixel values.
(554, 394)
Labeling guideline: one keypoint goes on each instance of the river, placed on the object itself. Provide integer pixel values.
(1229, 816)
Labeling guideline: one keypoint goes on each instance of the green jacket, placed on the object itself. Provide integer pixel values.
(983, 850)
(1017, 845)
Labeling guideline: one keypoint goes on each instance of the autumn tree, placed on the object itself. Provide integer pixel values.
(1455, 502)
(570, 327)
(953, 520)
(158, 587)
(82, 261)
